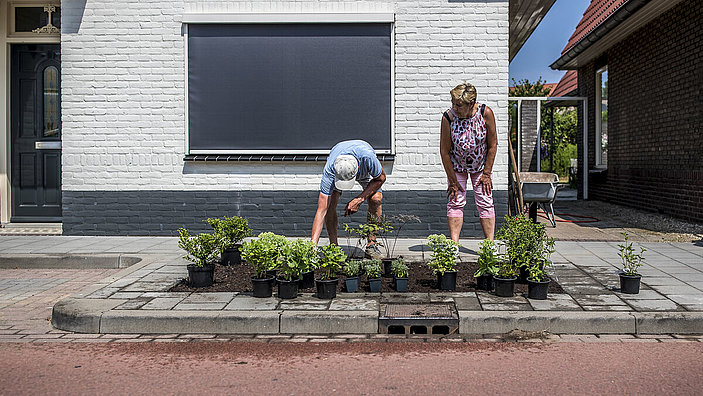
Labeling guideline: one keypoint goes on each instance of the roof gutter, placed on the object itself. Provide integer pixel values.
(621, 14)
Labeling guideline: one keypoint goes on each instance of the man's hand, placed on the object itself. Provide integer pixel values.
(353, 206)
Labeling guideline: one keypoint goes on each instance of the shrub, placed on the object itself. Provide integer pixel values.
(631, 261)
(372, 268)
(331, 262)
(230, 231)
(399, 269)
(444, 253)
(262, 253)
(352, 268)
(300, 254)
(488, 258)
(200, 249)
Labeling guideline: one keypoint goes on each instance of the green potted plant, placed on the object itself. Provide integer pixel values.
(200, 250)
(301, 253)
(352, 269)
(387, 225)
(362, 233)
(373, 274)
(504, 279)
(630, 278)
(515, 234)
(331, 260)
(538, 280)
(443, 260)
(261, 254)
(277, 241)
(488, 260)
(400, 272)
(230, 232)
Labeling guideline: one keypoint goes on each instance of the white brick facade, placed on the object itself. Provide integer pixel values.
(123, 93)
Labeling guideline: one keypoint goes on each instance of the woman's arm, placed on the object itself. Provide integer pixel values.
(445, 146)
(492, 148)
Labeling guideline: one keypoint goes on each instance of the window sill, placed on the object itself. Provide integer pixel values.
(268, 158)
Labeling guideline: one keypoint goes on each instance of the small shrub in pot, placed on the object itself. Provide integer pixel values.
(303, 254)
(538, 280)
(504, 279)
(400, 272)
(373, 274)
(201, 250)
(443, 260)
(629, 275)
(515, 234)
(262, 254)
(488, 260)
(352, 269)
(230, 232)
(331, 259)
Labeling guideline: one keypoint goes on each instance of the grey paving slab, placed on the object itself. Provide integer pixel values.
(584, 289)
(686, 298)
(126, 295)
(215, 297)
(662, 281)
(203, 306)
(405, 298)
(249, 303)
(134, 303)
(486, 298)
(349, 304)
(654, 305)
(607, 308)
(162, 303)
(555, 302)
(506, 307)
(598, 299)
(467, 303)
(682, 289)
(321, 305)
(642, 295)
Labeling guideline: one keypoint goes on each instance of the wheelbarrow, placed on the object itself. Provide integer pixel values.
(540, 189)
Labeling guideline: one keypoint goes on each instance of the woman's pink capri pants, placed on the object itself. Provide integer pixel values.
(484, 202)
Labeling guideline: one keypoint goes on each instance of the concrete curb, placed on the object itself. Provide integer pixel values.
(99, 316)
(68, 261)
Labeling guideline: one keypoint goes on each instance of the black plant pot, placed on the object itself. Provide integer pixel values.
(326, 288)
(375, 285)
(387, 263)
(231, 256)
(287, 289)
(401, 284)
(524, 274)
(274, 273)
(537, 290)
(352, 284)
(201, 276)
(504, 287)
(630, 284)
(263, 287)
(446, 281)
(307, 280)
(484, 282)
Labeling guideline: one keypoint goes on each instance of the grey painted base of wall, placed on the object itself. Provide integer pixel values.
(283, 212)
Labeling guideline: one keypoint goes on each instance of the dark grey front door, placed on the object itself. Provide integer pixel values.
(35, 117)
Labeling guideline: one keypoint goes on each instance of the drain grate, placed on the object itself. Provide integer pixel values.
(418, 319)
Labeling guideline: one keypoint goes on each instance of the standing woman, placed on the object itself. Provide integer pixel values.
(468, 146)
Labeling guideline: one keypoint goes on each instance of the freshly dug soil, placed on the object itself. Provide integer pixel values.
(238, 279)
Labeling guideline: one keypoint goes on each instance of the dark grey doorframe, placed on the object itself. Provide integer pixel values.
(35, 132)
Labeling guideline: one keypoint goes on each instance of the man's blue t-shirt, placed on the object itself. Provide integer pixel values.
(369, 165)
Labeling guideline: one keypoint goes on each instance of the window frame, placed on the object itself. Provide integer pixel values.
(11, 25)
(287, 18)
(599, 164)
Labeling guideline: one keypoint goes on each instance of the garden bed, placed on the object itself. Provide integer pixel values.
(238, 279)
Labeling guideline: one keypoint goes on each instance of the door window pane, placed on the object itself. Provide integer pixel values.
(602, 117)
(29, 18)
(51, 102)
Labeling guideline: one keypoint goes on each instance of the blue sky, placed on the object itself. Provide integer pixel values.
(546, 42)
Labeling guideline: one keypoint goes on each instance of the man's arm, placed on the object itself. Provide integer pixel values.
(371, 188)
(319, 221)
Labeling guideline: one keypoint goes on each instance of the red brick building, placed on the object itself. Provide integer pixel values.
(640, 64)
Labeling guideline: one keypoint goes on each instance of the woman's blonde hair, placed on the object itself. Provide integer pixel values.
(464, 92)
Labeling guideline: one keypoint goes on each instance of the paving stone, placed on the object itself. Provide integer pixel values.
(149, 286)
(684, 289)
(486, 298)
(602, 299)
(249, 303)
(217, 297)
(653, 305)
(555, 302)
(662, 281)
(506, 307)
(134, 304)
(126, 295)
(405, 298)
(606, 308)
(204, 306)
(693, 307)
(687, 298)
(162, 303)
(467, 303)
(353, 305)
(584, 289)
(165, 294)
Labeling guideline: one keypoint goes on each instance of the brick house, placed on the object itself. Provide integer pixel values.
(640, 64)
(139, 117)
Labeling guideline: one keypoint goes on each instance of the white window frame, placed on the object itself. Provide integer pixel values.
(11, 19)
(277, 17)
(599, 120)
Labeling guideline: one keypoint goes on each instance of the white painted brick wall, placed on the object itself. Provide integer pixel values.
(123, 92)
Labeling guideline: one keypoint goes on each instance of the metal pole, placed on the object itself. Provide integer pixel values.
(517, 136)
(585, 149)
(551, 139)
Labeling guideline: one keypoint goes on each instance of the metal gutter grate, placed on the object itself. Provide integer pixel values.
(438, 318)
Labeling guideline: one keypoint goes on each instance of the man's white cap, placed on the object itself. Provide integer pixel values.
(345, 169)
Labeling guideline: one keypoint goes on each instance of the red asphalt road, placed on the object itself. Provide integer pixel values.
(352, 368)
